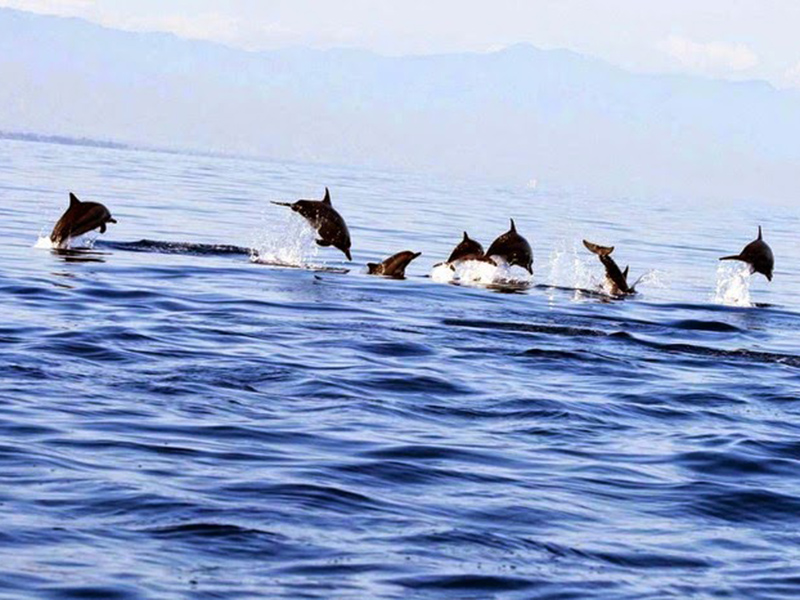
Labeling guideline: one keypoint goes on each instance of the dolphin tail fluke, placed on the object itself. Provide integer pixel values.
(599, 250)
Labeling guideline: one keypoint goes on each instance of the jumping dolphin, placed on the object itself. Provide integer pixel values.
(758, 255)
(394, 266)
(80, 218)
(617, 280)
(329, 224)
(467, 249)
(513, 248)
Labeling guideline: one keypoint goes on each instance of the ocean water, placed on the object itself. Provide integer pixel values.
(178, 420)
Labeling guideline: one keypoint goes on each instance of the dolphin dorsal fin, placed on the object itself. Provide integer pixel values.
(327, 198)
(759, 232)
(466, 237)
(513, 227)
(73, 200)
(625, 272)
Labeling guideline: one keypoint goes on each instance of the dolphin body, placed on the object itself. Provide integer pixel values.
(394, 266)
(758, 255)
(617, 279)
(80, 218)
(467, 249)
(328, 223)
(513, 248)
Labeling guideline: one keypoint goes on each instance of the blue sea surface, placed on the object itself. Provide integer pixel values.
(178, 420)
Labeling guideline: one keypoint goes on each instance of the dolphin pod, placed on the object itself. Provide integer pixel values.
(509, 248)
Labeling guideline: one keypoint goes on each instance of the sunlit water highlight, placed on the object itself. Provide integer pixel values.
(181, 419)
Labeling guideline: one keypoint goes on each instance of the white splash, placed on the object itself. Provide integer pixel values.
(284, 239)
(480, 273)
(570, 269)
(83, 242)
(733, 284)
(45, 243)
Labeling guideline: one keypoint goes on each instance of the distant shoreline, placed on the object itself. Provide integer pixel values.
(64, 140)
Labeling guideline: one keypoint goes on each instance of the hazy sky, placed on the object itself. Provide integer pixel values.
(739, 39)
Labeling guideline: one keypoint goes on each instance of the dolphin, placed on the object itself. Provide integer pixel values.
(617, 280)
(328, 223)
(80, 218)
(394, 266)
(758, 255)
(467, 249)
(513, 248)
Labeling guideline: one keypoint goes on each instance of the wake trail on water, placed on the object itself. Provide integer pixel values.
(165, 247)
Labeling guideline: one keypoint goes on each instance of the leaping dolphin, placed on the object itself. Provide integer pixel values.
(394, 266)
(616, 279)
(328, 223)
(467, 249)
(758, 255)
(80, 218)
(513, 248)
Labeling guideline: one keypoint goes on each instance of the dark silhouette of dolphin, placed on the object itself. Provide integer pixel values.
(80, 218)
(328, 223)
(394, 266)
(758, 255)
(513, 248)
(618, 280)
(467, 249)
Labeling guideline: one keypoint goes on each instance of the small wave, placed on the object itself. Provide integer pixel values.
(527, 328)
(733, 284)
(698, 325)
(748, 356)
(472, 583)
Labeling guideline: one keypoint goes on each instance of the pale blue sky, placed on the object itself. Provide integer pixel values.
(735, 39)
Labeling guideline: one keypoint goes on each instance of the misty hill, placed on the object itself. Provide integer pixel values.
(519, 113)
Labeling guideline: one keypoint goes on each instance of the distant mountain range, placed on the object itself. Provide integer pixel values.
(517, 114)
